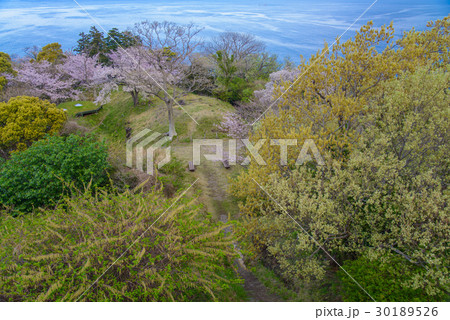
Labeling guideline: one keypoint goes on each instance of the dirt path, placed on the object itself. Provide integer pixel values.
(213, 181)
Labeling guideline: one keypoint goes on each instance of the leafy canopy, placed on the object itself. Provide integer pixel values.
(41, 175)
(26, 119)
(327, 98)
(51, 53)
(380, 118)
(5, 67)
(388, 199)
(96, 43)
(383, 279)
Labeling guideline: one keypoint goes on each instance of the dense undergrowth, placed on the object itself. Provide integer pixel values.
(129, 246)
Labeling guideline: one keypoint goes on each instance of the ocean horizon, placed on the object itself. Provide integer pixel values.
(291, 28)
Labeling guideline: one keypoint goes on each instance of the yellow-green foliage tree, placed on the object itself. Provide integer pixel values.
(340, 88)
(26, 119)
(5, 67)
(388, 199)
(429, 45)
(51, 52)
(327, 100)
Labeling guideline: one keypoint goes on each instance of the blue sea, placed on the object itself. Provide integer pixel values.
(289, 28)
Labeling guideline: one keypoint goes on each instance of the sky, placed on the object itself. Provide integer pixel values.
(288, 27)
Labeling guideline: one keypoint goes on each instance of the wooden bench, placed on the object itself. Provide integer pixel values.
(88, 112)
(226, 164)
(128, 131)
(191, 166)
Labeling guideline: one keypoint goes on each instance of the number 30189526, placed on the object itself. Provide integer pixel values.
(407, 311)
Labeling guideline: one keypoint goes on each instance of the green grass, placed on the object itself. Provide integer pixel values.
(303, 291)
(111, 122)
(207, 129)
(274, 284)
(181, 126)
(72, 110)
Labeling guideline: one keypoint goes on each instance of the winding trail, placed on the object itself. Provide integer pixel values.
(213, 182)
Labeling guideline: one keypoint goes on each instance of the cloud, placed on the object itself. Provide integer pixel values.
(289, 27)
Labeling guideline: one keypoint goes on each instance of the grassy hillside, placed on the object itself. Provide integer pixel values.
(120, 113)
(110, 123)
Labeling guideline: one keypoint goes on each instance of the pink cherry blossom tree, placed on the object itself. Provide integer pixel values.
(169, 50)
(234, 126)
(44, 79)
(267, 97)
(163, 65)
(86, 71)
(132, 70)
(238, 124)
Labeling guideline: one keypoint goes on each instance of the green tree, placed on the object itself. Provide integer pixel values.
(384, 279)
(5, 67)
(51, 52)
(381, 183)
(116, 39)
(231, 87)
(227, 67)
(95, 42)
(261, 65)
(240, 63)
(91, 43)
(24, 120)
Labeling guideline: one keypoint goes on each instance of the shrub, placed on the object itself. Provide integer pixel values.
(175, 172)
(72, 127)
(174, 253)
(39, 175)
(237, 89)
(26, 119)
(390, 196)
(383, 280)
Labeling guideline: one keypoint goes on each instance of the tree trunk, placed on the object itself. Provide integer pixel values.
(172, 131)
(135, 95)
